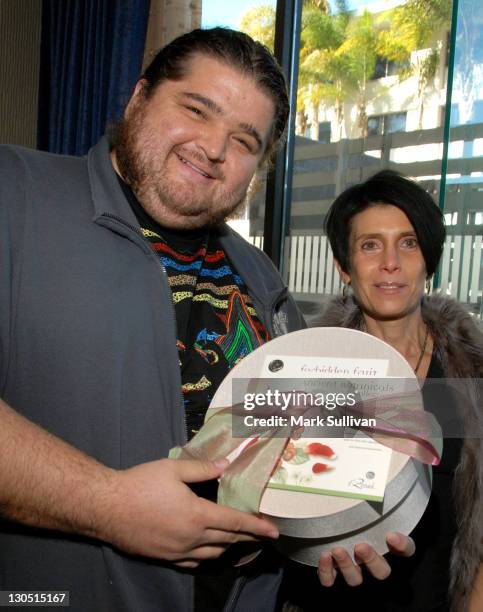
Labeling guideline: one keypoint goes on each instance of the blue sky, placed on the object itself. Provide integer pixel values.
(219, 12)
(229, 12)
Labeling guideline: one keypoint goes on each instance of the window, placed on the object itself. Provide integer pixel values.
(477, 115)
(375, 125)
(386, 124)
(385, 67)
(324, 131)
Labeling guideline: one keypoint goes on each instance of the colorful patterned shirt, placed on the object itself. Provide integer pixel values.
(217, 324)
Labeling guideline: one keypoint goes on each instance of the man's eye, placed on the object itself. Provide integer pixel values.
(194, 110)
(245, 144)
(369, 245)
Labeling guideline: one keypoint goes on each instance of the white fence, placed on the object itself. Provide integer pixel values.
(461, 268)
(310, 266)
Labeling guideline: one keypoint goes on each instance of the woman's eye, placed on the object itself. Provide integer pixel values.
(410, 243)
(369, 245)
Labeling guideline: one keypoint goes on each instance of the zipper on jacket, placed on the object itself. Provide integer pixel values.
(278, 299)
(175, 326)
(173, 321)
(235, 593)
(133, 228)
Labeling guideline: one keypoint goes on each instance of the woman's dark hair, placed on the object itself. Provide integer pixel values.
(235, 49)
(388, 187)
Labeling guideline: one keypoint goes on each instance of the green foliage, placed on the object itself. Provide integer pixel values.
(320, 5)
(320, 31)
(392, 48)
(413, 27)
(338, 52)
(259, 23)
(360, 48)
(415, 23)
(430, 65)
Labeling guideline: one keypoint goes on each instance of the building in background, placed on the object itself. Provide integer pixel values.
(394, 84)
(372, 93)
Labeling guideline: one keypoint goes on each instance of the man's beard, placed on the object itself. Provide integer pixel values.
(161, 196)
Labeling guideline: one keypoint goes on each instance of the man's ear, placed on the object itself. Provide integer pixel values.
(137, 96)
(346, 279)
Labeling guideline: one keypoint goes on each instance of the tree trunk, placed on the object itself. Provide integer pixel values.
(421, 88)
(339, 116)
(362, 118)
(315, 122)
(302, 122)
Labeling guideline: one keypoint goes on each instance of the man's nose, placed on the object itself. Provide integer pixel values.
(214, 143)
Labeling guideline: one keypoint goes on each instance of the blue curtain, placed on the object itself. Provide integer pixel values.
(91, 57)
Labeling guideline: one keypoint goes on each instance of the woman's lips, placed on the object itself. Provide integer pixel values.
(390, 288)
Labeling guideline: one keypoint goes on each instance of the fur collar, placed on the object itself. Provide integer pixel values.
(458, 342)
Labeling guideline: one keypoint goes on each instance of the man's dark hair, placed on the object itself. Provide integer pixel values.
(235, 49)
(388, 187)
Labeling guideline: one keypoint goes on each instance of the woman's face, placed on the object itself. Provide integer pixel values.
(387, 269)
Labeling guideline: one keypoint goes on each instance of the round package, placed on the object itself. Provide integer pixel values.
(338, 485)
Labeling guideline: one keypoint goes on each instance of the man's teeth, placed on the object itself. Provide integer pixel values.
(389, 285)
(194, 167)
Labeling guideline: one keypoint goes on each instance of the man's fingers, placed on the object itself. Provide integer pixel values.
(199, 554)
(400, 544)
(327, 572)
(207, 552)
(216, 536)
(352, 573)
(191, 470)
(187, 564)
(376, 564)
(234, 521)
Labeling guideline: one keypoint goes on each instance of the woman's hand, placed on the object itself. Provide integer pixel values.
(377, 565)
(476, 597)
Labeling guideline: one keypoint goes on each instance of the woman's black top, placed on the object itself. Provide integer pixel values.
(416, 584)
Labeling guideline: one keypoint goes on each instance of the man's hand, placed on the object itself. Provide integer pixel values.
(152, 512)
(339, 559)
(145, 510)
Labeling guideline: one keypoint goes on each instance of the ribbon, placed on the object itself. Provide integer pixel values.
(401, 424)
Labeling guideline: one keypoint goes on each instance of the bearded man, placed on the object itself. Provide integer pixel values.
(125, 301)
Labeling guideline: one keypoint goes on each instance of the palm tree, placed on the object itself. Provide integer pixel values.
(259, 23)
(410, 36)
(360, 52)
(324, 78)
(338, 52)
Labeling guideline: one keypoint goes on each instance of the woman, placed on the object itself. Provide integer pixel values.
(387, 237)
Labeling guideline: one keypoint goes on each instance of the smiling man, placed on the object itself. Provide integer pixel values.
(190, 148)
(125, 300)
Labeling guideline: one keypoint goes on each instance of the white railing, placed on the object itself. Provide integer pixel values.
(461, 268)
(311, 266)
(311, 270)
(257, 241)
